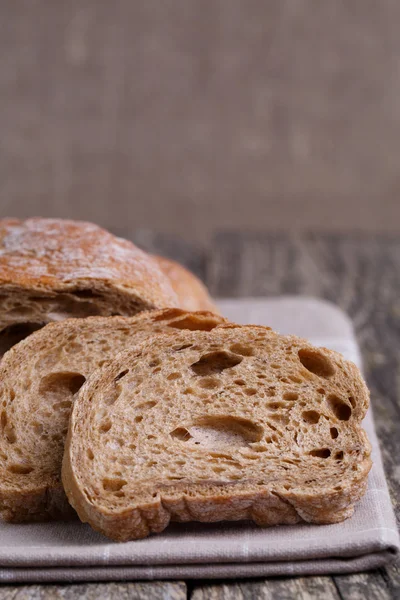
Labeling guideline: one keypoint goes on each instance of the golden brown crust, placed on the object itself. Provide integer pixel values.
(191, 292)
(53, 268)
(235, 423)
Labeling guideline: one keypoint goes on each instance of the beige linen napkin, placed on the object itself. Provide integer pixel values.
(73, 552)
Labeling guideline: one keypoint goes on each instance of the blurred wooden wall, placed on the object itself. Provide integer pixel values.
(193, 115)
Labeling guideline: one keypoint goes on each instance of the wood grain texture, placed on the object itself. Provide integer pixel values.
(363, 585)
(97, 591)
(306, 588)
(203, 114)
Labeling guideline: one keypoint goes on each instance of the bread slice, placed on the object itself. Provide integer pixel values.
(235, 423)
(192, 294)
(51, 269)
(38, 380)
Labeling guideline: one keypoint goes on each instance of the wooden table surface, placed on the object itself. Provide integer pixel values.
(359, 273)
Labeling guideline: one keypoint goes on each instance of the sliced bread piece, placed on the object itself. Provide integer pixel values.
(52, 269)
(192, 294)
(38, 380)
(235, 423)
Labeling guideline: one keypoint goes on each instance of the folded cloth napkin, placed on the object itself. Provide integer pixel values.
(74, 552)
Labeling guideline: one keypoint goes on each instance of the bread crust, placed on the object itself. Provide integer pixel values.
(37, 379)
(191, 292)
(54, 268)
(151, 503)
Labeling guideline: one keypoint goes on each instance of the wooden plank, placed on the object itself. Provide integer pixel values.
(364, 585)
(307, 588)
(392, 576)
(95, 591)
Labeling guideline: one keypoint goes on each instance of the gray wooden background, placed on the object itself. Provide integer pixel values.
(194, 115)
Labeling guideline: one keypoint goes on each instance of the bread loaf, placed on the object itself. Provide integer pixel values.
(39, 378)
(51, 269)
(229, 424)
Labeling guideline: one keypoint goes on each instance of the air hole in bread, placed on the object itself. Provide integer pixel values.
(321, 391)
(111, 395)
(147, 405)
(292, 396)
(275, 405)
(250, 391)
(216, 431)
(73, 348)
(280, 418)
(195, 323)
(311, 416)
(173, 376)
(321, 453)
(3, 419)
(62, 405)
(242, 349)
(315, 362)
(138, 419)
(339, 455)
(85, 294)
(187, 391)
(182, 347)
(271, 392)
(218, 469)
(37, 428)
(122, 374)
(338, 406)
(352, 401)
(13, 334)
(334, 432)
(105, 426)
(239, 382)
(171, 313)
(221, 455)
(60, 387)
(275, 366)
(215, 362)
(113, 485)
(90, 454)
(295, 379)
(181, 433)
(9, 434)
(209, 383)
(19, 469)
